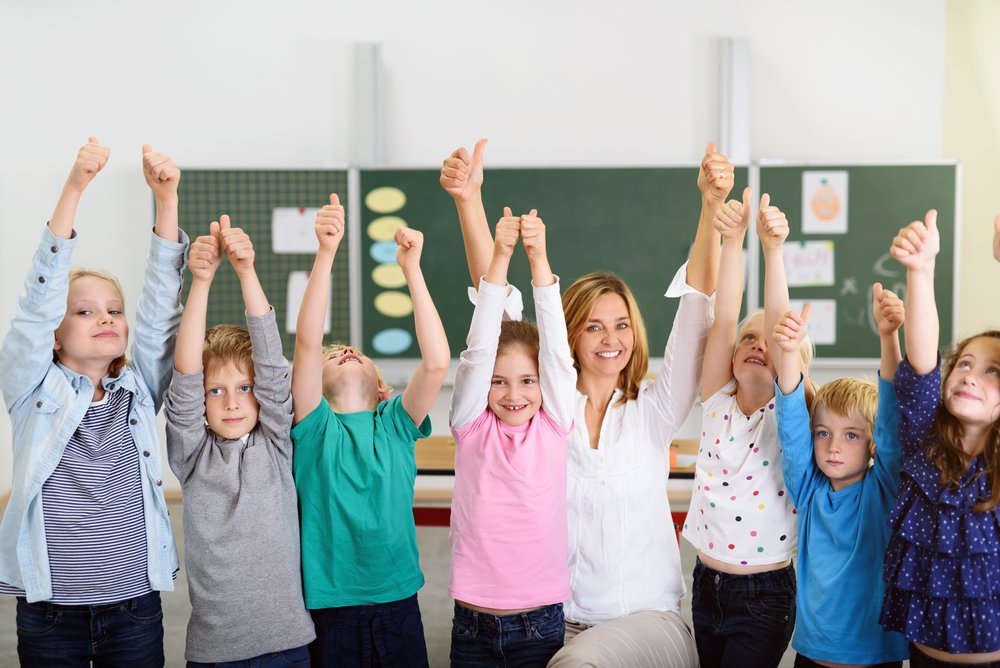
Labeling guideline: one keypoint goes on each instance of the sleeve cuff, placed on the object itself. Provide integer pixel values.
(513, 306)
(679, 286)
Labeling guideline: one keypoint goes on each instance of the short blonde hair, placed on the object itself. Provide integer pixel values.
(227, 343)
(578, 302)
(335, 348)
(118, 363)
(846, 395)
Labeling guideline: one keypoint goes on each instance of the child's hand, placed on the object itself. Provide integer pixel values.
(732, 218)
(887, 309)
(996, 238)
(90, 159)
(772, 225)
(715, 178)
(162, 174)
(791, 328)
(330, 224)
(204, 257)
(533, 235)
(237, 246)
(507, 232)
(462, 174)
(918, 243)
(410, 242)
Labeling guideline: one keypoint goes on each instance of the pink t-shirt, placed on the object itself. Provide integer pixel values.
(508, 520)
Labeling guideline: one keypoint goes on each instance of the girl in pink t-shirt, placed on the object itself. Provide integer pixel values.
(511, 413)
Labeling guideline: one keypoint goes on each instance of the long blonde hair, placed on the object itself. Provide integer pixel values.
(578, 302)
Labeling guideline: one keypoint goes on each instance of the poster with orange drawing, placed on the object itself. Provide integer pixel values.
(824, 202)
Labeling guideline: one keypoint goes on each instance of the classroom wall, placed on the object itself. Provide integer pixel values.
(264, 84)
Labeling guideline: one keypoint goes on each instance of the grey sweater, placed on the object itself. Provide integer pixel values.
(241, 523)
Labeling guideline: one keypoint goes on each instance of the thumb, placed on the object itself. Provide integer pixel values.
(533, 213)
(479, 151)
(710, 148)
(92, 140)
(765, 201)
(806, 310)
(747, 200)
(506, 212)
(146, 148)
(876, 292)
(334, 199)
(214, 229)
(224, 223)
(930, 219)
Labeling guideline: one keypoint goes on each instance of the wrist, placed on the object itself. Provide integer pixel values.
(166, 201)
(467, 199)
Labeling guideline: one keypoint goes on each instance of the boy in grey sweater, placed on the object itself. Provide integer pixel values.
(229, 412)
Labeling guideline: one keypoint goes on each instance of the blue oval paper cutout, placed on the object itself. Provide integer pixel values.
(383, 251)
(391, 341)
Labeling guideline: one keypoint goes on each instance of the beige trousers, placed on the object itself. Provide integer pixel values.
(647, 639)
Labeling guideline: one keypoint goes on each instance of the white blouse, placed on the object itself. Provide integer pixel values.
(623, 554)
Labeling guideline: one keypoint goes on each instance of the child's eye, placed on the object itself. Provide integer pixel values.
(851, 436)
(963, 365)
(214, 392)
(498, 381)
(993, 371)
(246, 388)
(528, 381)
(115, 312)
(822, 433)
(84, 312)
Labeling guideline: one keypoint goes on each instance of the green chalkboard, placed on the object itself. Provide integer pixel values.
(250, 197)
(638, 223)
(880, 200)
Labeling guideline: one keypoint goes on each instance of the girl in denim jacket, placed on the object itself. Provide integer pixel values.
(85, 542)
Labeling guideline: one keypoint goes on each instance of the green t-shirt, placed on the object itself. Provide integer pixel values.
(354, 475)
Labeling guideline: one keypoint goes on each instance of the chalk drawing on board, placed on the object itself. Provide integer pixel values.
(297, 281)
(293, 230)
(822, 320)
(824, 202)
(809, 263)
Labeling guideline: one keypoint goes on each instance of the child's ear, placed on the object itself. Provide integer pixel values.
(383, 393)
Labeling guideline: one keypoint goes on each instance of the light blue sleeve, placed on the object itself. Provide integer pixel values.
(158, 314)
(794, 433)
(888, 449)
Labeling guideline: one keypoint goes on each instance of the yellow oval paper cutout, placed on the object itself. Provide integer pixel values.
(388, 276)
(382, 229)
(385, 200)
(394, 304)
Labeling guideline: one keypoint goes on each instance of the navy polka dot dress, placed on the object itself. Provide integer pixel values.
(942, 566)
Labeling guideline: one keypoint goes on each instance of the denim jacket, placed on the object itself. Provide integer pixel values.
(47, 402)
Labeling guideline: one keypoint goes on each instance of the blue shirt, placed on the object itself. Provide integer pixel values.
(47, 402)
(842, 537)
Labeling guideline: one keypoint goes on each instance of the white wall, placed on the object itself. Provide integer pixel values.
(265, 84)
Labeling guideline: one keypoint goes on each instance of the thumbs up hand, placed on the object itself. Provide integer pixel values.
(161, 173)
(203, 256)
(715, 177)
(237, 245)
(791, 328)
(772, 225)
(917, 244)
(887, 309)
(330, 224)
(462, 174)
(732, 218)
(89, 160)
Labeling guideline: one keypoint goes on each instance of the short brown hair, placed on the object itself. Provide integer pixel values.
(846, 395)
(514, 333)
(227, 343)
(578, 302)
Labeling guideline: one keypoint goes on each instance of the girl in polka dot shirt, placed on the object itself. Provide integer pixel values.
(741, 519)
(942, 566)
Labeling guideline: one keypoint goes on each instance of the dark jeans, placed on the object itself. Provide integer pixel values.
(384, 635)
(806, 662)
(525, 640)
(920, 660)
(127, 634)
(297, 658)
(742, 621)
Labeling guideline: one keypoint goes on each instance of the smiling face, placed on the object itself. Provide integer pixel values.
(842, 446)
(347, 370)
(751, 361)
(94, 332)
(971, 392)
(515, 395)
(605, 344)
(231, 408)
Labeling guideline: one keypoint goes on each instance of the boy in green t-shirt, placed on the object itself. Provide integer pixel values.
(354, 471)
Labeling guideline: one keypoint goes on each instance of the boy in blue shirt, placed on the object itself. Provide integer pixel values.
(841, 496)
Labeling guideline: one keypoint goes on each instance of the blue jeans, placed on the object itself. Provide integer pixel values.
(742, 621)
(526, 640)
(297, 658)
(384, 635)
(127, 634)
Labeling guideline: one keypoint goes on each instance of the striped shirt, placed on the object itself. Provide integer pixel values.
(93, 510)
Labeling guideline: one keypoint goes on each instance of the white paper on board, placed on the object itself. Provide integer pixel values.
(808, 263)
(822, 319)
(293, 230)
(824, 202)
(297, 281)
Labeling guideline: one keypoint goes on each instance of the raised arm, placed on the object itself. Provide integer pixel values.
(90, 159)
(435, 356)
(163, 177)
(715, 181)
(731, 220)
(203, 261)
(462, 178)
(475, 365)
(787, 336)
(556, 373)
(307, 367)
(889, 314)
(772, 229)
(916, 247)
(239, 251)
